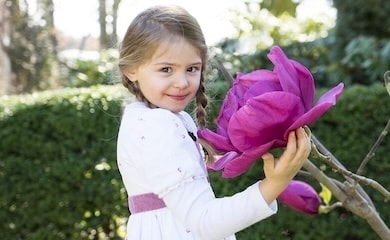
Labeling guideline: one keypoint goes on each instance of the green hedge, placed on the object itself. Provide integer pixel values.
(59, 179)
(58, 175)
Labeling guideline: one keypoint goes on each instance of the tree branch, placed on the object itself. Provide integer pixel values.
(352, 196)
(338, 167)
(371, 153)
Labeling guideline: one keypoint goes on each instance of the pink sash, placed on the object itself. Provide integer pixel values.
(145, 202)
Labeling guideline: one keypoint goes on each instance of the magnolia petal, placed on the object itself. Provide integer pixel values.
(301, 197)
(306, 85)
(286, 72)
(240, 164)
(219, 142)
(261, 87)
(332, 95)
(326, 101)
(264, 118)
(250, 78)
(222, 161)
(242, 83)
(228, 108)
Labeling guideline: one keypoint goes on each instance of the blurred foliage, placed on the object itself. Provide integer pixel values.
(59, 178)
(279, 7)
(354, 51)
(260, 24)
(89, 72)
(365, 60)
(357, 18)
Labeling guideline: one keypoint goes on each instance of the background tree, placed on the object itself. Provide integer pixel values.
(30, 45)
(5, 62)
(108, 17)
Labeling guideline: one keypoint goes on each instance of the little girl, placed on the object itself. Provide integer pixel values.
(162, 60)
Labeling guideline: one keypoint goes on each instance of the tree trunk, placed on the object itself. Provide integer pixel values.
(104, 37)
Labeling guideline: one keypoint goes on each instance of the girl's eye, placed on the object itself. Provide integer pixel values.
(193, 69)
(166, 69)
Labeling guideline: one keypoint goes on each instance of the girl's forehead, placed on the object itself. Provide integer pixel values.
(173, 46)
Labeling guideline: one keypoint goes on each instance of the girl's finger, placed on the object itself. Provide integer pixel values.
(269, 162)
(303, 143)
(291, 143)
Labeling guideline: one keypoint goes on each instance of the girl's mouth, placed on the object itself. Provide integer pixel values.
(178, 97)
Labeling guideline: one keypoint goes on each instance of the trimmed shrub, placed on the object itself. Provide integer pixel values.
(58, 175)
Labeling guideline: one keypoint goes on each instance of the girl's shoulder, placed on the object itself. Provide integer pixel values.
(139, 111)
(140, 116)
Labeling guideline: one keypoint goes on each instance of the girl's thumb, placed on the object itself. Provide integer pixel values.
(268, 160)
(267, 156)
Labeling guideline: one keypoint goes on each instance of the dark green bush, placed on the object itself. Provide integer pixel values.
(59, 180)
(58, 175)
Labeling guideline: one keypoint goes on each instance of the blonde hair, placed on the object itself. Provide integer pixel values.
(149, 29)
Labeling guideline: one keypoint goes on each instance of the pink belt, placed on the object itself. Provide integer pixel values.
(145, 202)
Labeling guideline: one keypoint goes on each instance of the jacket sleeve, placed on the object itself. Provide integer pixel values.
(216, 218)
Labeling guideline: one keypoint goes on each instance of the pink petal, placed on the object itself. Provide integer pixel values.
(327, 100)
(219, 142)
(264, 118)
(306, 84)
(288, 75)
(240, 164)
(293, 76)
(221, 162)
(263, 86)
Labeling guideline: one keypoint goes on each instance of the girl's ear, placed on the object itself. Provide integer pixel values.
(130, 74)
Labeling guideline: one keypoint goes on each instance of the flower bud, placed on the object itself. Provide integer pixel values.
(301, 197)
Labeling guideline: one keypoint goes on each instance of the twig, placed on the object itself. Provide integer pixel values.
(354, 201)
(328, 208)
(338, 167)
(348, 174)
(371, 153)
(226, 75)
(305, 173)
(322, 178)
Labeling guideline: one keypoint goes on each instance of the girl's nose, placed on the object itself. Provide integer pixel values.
(181, 81)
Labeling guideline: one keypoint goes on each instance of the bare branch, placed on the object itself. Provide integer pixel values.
(226, 75)
(322, 178)
(338, 167)
(352, 196)
(371, 153)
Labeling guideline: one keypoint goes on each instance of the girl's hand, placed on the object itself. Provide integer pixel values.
(279, 172)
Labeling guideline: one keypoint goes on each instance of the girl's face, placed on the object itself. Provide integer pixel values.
(171, 78)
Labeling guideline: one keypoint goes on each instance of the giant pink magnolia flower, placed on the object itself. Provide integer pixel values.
(261, 108)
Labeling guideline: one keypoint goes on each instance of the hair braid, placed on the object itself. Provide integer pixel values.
(201, 104)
